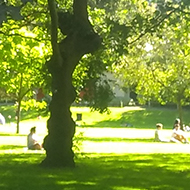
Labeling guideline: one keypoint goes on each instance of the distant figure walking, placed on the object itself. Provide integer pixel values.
(2, 119)
(32, 140)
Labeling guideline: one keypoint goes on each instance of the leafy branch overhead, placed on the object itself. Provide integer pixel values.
(8, 9)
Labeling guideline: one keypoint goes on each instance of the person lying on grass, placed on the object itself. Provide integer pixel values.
(158, 134)
(32, 140)
(178, 135)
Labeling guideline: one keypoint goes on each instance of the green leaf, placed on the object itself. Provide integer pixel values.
(26, 1)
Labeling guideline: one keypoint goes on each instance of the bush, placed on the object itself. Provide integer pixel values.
(77, 142)
(34, 105)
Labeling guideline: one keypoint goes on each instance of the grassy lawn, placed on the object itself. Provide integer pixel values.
(115, 157)
(98, 172)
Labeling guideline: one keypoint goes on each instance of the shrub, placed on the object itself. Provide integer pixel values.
(34, 105)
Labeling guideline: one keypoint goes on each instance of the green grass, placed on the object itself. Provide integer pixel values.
(98, 172)
(114, 157)
(139, 117)
(144, 118)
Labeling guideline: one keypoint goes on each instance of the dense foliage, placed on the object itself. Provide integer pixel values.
(157, 65)
(146, 43)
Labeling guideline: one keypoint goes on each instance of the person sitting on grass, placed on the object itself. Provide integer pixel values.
(158, 133)
(178, 136)
(32, 141)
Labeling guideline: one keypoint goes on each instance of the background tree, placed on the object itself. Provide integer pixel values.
(171, 66)
(158, 66)
(21, 68)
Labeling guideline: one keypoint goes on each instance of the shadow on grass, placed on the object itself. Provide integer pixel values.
(9, 111)
(144, 119)
(97, 172)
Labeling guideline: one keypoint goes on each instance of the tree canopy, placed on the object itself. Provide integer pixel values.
(86, 40)
(157, 68)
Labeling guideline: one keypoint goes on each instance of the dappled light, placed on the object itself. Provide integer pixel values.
(98, 171)
(10, 147)
(108, 158)
(130, 117)
(144, 119)
(55, 54)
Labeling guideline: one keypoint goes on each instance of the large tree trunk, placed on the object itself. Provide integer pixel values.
(81, 39)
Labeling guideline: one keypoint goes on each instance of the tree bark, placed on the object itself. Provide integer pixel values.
(20, 97)
(80, 39)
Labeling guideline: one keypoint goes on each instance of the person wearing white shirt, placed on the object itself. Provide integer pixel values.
(178, 135)
(32, 140)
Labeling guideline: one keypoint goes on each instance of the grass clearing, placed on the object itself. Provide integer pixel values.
(98, 172)
(114, 157)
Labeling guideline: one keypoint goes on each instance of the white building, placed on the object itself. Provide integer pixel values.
(122, 98)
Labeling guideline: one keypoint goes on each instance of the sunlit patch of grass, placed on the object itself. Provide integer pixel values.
(95, 118)
(11, 134)
(107, 139)
(5, 147)
(136, 117)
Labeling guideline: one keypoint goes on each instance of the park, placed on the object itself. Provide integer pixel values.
(110, 156)
(93, 78)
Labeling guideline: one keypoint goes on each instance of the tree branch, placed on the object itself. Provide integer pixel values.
(153, 26)
(26, 37)
(80, 9)
(54, 31)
